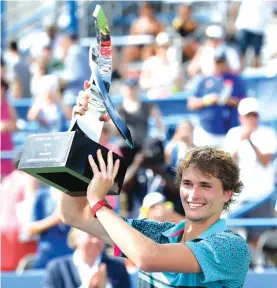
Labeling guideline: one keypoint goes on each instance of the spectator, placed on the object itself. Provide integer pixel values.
(252, 29)
(149, 173)
(216, 97)
(136, 115)
(160, 76)
(51, 232)
(7, 125)
(145, 24)
(18, 73)
(49, 109)
(16, 199)
(39, 69)
(186, 27)
(154, 207)
(89, 266)
(253, 146)
(76, 67)
(202, 62)
(181, 141)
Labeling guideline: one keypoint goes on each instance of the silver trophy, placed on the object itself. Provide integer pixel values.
(61, 159)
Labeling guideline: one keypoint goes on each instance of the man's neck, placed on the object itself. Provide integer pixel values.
(195, 228)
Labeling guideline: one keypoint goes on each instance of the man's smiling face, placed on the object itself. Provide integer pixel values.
(202, 196)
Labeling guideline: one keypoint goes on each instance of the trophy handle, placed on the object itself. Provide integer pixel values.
(100, 61)
(102, 53)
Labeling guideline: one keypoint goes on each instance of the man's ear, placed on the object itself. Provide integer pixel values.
(227, 195)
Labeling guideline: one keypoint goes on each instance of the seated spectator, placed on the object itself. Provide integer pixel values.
(216, 98)
(251, 30)
(136, 115)
(89, 266)
(145, 24)
(7, 125)
(18, 73)
(155, 207)
(51, 232)
(149, 173)
(181, 141)
(49, 109)
(185, 27)
(253, 146)
(202, 62)
(17, 194)
(160, 76)
(76, 67)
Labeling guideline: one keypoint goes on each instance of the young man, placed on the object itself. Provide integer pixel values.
(198, 252)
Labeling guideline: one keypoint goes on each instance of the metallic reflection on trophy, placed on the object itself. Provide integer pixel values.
(61, 159)
(100, 61)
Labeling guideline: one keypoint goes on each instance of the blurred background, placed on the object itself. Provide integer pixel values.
(185, 74)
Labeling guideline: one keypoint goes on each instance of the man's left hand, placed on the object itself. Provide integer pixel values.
(103, 179)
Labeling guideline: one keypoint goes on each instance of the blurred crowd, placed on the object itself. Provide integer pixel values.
(207, 61)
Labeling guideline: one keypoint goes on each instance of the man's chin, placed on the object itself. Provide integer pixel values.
(195, 218)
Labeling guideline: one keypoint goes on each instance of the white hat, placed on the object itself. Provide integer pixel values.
(152, 198)
(248, 105)
(163, 39)
(215, 31)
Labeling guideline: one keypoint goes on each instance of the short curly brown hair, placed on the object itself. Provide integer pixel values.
(213, 162)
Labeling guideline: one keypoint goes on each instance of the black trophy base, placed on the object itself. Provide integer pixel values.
(61, 160)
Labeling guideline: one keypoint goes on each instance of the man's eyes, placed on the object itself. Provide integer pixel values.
(205, 186)
(187, 183)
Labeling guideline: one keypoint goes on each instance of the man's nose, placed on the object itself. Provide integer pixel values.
(195, 192)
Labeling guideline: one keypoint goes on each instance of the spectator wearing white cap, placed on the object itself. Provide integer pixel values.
(253, 145)
(202, 61)
(155, 207)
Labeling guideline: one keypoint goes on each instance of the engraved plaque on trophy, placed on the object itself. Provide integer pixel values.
(61, 159)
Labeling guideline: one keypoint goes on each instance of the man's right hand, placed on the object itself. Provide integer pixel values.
(81, 106)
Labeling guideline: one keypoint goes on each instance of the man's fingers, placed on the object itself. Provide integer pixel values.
(110, 164)
(83, 99)
(101, 162)
(78, 110)
(93, 165)
(115, 168)
(104, 117)
(86, 84)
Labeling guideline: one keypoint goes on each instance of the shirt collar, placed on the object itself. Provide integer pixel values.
(174, 233)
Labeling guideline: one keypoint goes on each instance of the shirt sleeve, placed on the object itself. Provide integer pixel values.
(151, 229)
(270, 145)
(239, 88)
(222, 257)
(37, 213)
(232, 140)
(196, 88)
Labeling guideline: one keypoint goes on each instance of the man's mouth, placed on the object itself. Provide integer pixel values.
(194, 205)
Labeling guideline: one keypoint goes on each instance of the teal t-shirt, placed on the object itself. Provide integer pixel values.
(223, 256)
